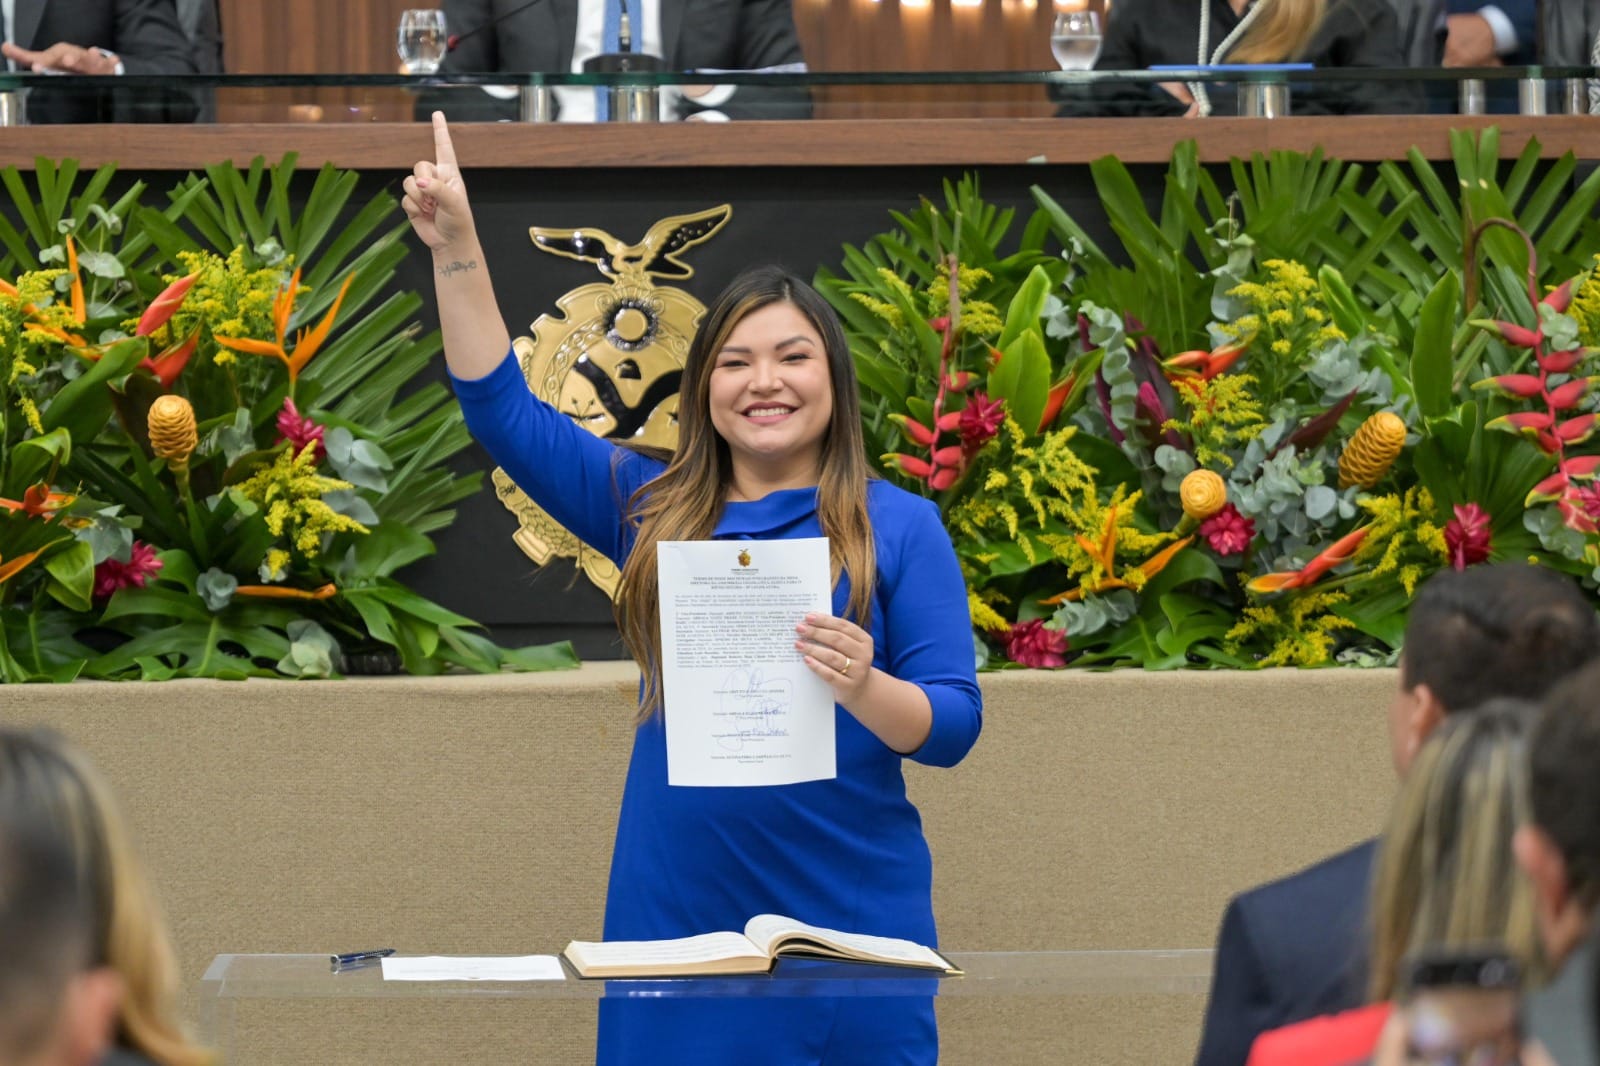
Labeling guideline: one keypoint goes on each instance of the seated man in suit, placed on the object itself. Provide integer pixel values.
(55, 1010)
(1560, 853)
(556, 36)
(100, 37)
(1291, 949)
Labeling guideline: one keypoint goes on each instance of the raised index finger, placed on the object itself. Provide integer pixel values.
(443, 151)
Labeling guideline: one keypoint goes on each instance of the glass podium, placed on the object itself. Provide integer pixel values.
(1007, 1007)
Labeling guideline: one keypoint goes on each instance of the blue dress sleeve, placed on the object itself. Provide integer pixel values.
(928, 630)
(582, 481)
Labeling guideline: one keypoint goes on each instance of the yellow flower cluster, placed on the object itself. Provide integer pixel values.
(1404, 538)
(290, 492)
(1300, 629)
(228, 297)
(1037, 481)
(984, 616)
(1223, 414)
(978, 317)
(1286, 312)
(1585, 308)
(23, 350)
(882, 308)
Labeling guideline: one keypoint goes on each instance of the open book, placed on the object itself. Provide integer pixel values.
(765, 938)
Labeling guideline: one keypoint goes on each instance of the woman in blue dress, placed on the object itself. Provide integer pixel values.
(770, 446)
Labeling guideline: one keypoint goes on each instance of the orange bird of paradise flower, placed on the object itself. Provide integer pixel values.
(1340, 551)
(1104, 553)
(306, 344)
(10, 568)
(76, 304)
(38, 502)
(280, 592)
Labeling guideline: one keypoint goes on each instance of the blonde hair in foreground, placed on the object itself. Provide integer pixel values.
(1282, 31)
(685, 500)
(44, 775)
(1445, 877)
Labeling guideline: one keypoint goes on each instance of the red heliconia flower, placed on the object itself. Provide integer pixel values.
(1036, 645)
(299, 430)
(1466, 536)
(981, 419)
(1228, 532)
(142, 565)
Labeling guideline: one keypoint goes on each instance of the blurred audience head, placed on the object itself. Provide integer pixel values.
(63, 795)
(1445, 878)
(1560, 847)
(56, 1007)
(1508, 629)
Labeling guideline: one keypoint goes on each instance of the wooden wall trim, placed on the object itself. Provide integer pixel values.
(909, 142)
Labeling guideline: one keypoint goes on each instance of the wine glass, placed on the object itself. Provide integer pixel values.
(1075, 39)
(421, 41)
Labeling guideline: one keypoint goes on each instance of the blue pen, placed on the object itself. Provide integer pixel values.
(358, 958)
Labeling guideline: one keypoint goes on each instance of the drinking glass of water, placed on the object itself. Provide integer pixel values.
(1075, 39)
(421, 40)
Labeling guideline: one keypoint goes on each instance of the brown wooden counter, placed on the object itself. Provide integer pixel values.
(907, 142)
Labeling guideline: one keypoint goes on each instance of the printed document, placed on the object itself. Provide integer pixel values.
(741, 706)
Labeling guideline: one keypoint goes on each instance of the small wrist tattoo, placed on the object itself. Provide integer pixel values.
(457, 267)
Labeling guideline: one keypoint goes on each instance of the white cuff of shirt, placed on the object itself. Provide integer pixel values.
(1505, 34)
(714, 96)
(111, 55)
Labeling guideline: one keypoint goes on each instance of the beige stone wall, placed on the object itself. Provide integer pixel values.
(475, 815)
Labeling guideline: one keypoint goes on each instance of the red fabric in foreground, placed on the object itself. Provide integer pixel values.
(1331, 1040)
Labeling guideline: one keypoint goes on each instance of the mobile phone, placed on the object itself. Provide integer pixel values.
(1463, 1008)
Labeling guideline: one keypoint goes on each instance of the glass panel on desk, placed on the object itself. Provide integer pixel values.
(1010, 1007)
(830, 95)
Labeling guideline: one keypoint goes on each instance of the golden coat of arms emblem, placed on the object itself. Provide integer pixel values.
(611, 360)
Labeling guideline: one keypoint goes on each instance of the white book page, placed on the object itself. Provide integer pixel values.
(644, 954)
(765, 930)
(467, 968)
(741, 706)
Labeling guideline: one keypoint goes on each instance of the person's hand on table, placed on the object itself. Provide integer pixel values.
(62, 58)
(1469, 42)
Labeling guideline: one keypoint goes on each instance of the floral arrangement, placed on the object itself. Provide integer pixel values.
(213, 456)
(1246, 436)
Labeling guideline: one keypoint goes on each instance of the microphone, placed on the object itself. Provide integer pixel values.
(454, 39)
(624, 29)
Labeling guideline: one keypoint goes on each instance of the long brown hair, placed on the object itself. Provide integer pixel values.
(1445, 876)
(56, 784)
(686, 499)
(1282, 31)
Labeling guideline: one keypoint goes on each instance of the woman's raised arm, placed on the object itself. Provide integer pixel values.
(475, 337)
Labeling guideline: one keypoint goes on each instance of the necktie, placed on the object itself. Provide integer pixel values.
(610, 41)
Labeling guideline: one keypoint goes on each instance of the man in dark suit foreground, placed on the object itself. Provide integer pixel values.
(1560, 853)
(1295, 948)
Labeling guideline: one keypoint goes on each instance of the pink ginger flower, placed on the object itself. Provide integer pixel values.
(1228, 532)
(1036, 645)
(981, 419)
(142, 565)
(299, 430)
(1466, 536)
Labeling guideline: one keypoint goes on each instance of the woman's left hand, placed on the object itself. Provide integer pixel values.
(838, 651)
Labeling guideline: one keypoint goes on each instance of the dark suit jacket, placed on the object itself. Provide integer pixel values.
(144, 33)
(715, 34)
(1567, 30)
(1289, 950)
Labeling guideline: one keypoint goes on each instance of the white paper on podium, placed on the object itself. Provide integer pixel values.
(741, 707)
(473, 968)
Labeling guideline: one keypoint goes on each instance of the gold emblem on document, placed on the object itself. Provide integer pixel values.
(744, 558)
(612, 359)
